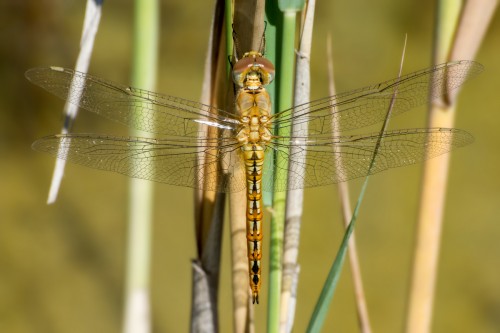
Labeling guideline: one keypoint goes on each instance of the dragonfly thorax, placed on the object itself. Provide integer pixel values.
(254, 130)
(254, 108)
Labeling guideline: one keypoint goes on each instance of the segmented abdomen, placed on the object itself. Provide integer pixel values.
(254, 160)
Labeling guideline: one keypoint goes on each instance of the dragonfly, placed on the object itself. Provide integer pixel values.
(232, 158)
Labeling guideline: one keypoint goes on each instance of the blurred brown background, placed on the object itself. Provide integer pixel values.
(61, 266)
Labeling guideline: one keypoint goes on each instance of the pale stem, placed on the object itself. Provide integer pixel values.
(90, 27)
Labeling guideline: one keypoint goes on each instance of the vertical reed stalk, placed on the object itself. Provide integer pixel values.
(209, 206)
(295, 198)
(433, 190)
(144, 67)
(90, 27)
(285, 92)
(458, 34)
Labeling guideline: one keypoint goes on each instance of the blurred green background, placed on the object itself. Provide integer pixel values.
(61, 266)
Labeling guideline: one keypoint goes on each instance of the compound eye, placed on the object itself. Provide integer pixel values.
(264, 119)
(266, 68)
(245, 120)
(241, 69)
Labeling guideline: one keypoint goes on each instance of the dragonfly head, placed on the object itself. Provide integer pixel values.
(253, 71)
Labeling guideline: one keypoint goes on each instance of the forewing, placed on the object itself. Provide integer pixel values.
(138, 108)
(333, 160)
(369, 105)
(212, 165)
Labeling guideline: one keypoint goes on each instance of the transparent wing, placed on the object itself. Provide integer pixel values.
(337, 159)
(317, 158)
(141, 109)
(369, 105)
(176, 161)
(216, 164)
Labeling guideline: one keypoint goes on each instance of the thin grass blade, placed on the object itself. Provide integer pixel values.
(343, 190)
(321, 309)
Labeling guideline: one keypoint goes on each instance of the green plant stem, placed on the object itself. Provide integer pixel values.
(144, 67)
(286, 74)
(271, 52)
